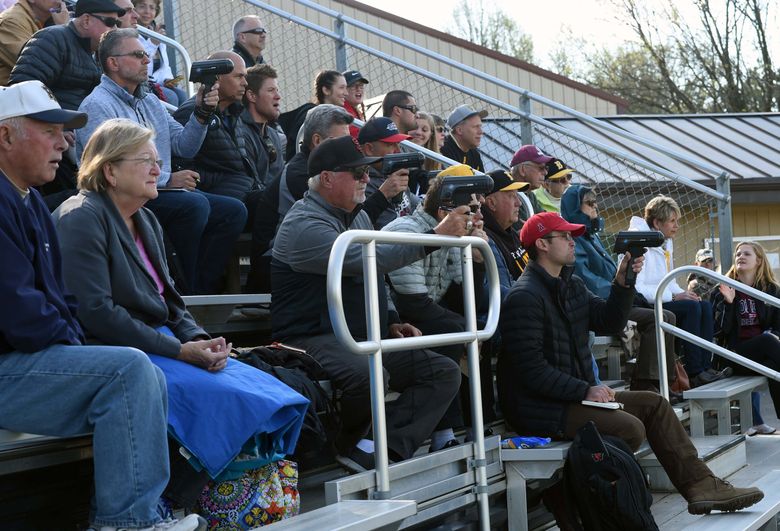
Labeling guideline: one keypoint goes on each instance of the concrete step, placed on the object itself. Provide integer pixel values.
(724, 454)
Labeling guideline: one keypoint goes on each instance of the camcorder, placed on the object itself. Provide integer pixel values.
(636, 243)
(399, 161)
(456, 191)
(206, 72)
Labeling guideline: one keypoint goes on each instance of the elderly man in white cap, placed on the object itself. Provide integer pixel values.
(465, 125)
(53, 384)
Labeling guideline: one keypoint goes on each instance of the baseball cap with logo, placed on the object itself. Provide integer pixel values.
(33, 99)
(461, 113)
(503, 182)
(382, 129)
(556, 169)
(98, 6)
(353, 76)
(336, 154)
(541, 224)
(703, 255)
(529, 153)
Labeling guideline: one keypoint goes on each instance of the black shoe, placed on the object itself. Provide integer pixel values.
(448, 444)
(357, 460)
(675, 398)
(726, 372)
(709, 376)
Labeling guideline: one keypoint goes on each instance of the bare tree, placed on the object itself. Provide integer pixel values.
(492, 28)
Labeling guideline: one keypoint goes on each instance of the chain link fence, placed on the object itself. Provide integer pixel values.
(298, 53)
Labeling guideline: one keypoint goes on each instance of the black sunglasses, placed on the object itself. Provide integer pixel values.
(109, 22)
(411, 108)
(256, 31)
(357, 173)
(138, 54)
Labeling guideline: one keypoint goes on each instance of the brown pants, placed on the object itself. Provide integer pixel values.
(645, 415)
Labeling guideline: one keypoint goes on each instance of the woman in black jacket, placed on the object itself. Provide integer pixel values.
(748, 326)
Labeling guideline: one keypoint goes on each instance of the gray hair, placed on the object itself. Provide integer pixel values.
(314, 183)
(321, 118)
(111, 41)
(17, 124)
(240, 24)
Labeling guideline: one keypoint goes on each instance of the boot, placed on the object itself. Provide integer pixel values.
(713, 493)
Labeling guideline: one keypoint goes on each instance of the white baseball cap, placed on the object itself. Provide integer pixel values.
(33, 99)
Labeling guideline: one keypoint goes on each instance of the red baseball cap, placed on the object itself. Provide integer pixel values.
(541, 224)
(529, 153)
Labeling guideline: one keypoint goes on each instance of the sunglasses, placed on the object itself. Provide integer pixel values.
(138, 54)
(411, 108)
(473, 207)
(440, 129)
(109, 22)
(256, 31)
(590, 202)
(357, 173)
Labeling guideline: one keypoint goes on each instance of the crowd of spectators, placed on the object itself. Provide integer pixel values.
(133, 182)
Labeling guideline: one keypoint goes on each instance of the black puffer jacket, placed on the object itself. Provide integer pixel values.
(727, 317)
(545, 361)
(223, 162)
(62, 60)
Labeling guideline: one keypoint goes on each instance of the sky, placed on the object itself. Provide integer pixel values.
(596, 21)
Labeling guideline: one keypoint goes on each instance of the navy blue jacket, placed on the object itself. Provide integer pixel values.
(36, 311)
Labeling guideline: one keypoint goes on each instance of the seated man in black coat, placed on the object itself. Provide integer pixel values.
(545, 369)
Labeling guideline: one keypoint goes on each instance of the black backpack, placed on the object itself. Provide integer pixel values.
(606, 483)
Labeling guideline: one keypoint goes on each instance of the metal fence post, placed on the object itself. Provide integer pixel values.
(341, 45)
(526, 125)
(725, 227)
(170, 9)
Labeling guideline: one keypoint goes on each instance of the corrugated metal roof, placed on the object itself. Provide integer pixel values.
(745, 145)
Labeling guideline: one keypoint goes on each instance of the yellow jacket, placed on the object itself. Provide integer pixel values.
(17, 25)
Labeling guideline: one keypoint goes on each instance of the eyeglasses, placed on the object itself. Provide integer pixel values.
(534, 165)
(357, 173)
(566, 236)
(564, 179)
(440, 129)
(590, 202)
(411, 108)
(109, 22)
(256, 31)
(149, 162)
(138, 54)
(473, 207)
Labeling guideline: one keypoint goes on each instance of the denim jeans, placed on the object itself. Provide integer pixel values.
(203, 229)
(114, 392)
(694, 317)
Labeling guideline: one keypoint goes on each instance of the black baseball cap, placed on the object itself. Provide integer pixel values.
(342, 152)
(353, 76)
(98, 6)
(503, 182)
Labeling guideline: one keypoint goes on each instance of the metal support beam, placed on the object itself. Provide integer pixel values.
(526, 125)
(725, 227)
(341, 45)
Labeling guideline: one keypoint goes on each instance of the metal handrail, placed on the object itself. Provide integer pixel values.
(508, 86)
(374, 345)
(661, 326)
(179, 48)
(488, 99)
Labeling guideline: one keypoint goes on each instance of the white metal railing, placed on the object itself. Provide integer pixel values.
(178, 47)
(374, 345)
(661, 326)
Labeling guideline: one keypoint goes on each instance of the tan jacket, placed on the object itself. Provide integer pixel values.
(17, 25)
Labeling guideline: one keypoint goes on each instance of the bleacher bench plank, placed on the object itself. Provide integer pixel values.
(717, 396)
(355, 515)
(752, 518)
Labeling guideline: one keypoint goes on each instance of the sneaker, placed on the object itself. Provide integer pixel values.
(715, 494)
(725, 372)
(449, 444)
(761, 429)
(357, 460)
(192, 522)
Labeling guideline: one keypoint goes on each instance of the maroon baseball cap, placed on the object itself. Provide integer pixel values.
(529, 153)
(541, 224)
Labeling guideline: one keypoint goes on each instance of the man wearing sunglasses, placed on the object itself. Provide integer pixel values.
(555, 183)
(202, 227)
(249, 36)
(427, 381)
(401, 108)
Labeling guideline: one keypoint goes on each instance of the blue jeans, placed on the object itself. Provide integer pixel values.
(203, 229)
(694, 317)
(114, 392)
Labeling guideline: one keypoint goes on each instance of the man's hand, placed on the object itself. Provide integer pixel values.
(600, 393)
(478, 233)
(395, 183)
(186, 179)
(70, 138)
(620, 276)
(456, 223)
(209, 354)
(62, 16)
(210, 101)
(403, 330)
(728, 293)
(685, 296)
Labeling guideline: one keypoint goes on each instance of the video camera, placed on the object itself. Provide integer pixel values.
(457, 191)
(206, 72)
(399, 161)
(636, 243)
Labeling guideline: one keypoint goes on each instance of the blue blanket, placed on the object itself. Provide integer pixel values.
(238, 410)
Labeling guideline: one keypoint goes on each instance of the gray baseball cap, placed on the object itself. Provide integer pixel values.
(461, 113)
